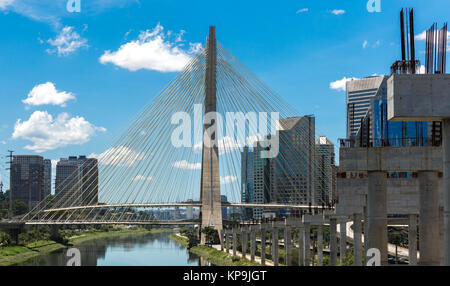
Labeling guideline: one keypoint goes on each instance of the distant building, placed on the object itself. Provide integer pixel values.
(47, 177)
(255, 178)
(325, 161)
(359, 95)
(77, 180)
(286, 179)
(292, 171)
(27, 179)
(224, 199)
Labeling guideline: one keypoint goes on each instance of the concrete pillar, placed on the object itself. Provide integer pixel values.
(307, 244)
(429, 218)
(222, 239)
(320, 245)
(412, 239)
(301, 246)
(366, 226)
(234, 241)
(287, 245)
(275, 246)
(441, 234)
(263, 246)
(377, 214)
(252, 243)
(446, 154)
(244, 241)
(227, 234)
(357, 240)
(333, 242)
(343, 242)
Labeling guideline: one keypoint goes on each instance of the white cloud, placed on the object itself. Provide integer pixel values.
(228, 180)
(422, 36)
(422, 70)
(67, 42)
(51, 11)
(54, 163)
(365, 44)
(341, 84)
(121, 156)
(48, 133)
(303, 10)
(5, 3)
(3, 142)
(187, 166)
(338, 12)
(142, 178)
(152, 51)
(46, 93)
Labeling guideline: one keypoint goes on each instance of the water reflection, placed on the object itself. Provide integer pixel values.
(130, 250)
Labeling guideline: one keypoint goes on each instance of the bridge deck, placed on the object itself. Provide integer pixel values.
(195, 204)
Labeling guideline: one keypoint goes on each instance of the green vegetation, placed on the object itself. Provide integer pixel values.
(38, 242)
(220, 258)
(212, 236)
(216, 257)
(181, 240)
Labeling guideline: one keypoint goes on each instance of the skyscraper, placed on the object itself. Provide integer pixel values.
(27, 179)
(287, 178)
(359, 95)
(77, 180)
(325, 160)
(47, 177)
(292, 171)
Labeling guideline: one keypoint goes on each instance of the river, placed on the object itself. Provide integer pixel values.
(131, 250)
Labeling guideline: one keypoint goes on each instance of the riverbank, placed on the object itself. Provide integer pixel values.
(12, 255)
(215, 257)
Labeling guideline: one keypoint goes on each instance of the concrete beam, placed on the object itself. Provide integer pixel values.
(402, 195)
(414, 97)
(391, 159)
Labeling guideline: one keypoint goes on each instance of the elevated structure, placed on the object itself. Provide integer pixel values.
(426, 97)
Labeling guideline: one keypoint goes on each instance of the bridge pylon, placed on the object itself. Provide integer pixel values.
(211, 210)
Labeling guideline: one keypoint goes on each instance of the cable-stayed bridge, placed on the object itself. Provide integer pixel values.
(186, 149)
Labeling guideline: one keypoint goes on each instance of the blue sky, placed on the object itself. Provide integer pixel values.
(80, 95)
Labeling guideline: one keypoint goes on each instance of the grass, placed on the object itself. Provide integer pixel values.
(11, 255)
(216, 257)
(220, 258)
(181, 240)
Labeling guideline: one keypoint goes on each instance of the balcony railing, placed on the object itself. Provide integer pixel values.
(390, 142)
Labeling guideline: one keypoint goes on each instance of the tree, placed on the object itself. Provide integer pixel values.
(212, 236)
(5, 239)
(19, 208)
